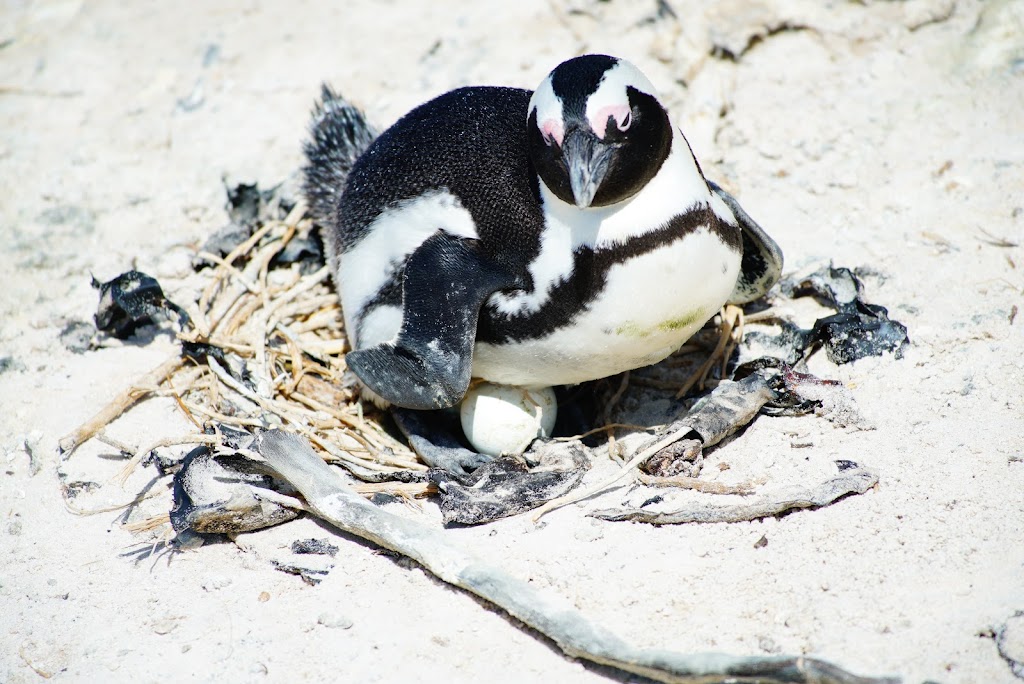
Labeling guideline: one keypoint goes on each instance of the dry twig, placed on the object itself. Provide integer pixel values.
(121, 403)
(731, 316)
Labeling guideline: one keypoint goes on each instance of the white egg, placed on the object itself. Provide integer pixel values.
(499, 419)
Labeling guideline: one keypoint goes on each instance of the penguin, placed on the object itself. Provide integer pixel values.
(526, 238)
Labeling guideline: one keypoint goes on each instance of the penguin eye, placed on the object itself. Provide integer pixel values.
(626, 120)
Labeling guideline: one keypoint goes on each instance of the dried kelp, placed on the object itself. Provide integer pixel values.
(130, 300)
(316, 547)
(508, 485)
(857, 330)
(222, 494)
(852, 479)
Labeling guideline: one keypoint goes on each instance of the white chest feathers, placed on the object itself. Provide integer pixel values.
(650, 305)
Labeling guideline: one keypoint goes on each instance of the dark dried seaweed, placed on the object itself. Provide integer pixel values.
(508, 486)
(133, 299)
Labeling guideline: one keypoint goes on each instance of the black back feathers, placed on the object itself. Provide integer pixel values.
(469, 143)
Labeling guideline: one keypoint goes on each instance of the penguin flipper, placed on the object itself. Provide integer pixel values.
(429, 364)
(761, 266)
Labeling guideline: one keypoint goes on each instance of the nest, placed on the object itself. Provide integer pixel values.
(268, 347)
(262, 347)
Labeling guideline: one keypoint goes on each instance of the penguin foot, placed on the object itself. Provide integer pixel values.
(434, 435)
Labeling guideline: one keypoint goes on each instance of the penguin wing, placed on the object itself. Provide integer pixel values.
(761, 266)
(429, 363)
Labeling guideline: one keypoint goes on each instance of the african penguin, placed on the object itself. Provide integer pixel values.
(526, 238)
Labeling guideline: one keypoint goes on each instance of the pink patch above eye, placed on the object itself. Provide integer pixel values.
(621, 113)
(551, 129)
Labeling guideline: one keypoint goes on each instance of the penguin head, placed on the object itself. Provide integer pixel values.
(597, 132)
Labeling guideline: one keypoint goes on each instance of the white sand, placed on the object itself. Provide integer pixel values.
(888, 135)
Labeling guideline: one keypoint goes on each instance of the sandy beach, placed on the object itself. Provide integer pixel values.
(882, 136)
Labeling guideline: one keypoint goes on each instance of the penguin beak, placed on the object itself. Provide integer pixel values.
(587, 160)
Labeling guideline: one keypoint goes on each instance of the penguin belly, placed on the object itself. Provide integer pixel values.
(649, 306)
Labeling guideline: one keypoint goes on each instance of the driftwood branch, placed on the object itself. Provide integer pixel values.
(328, 498)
